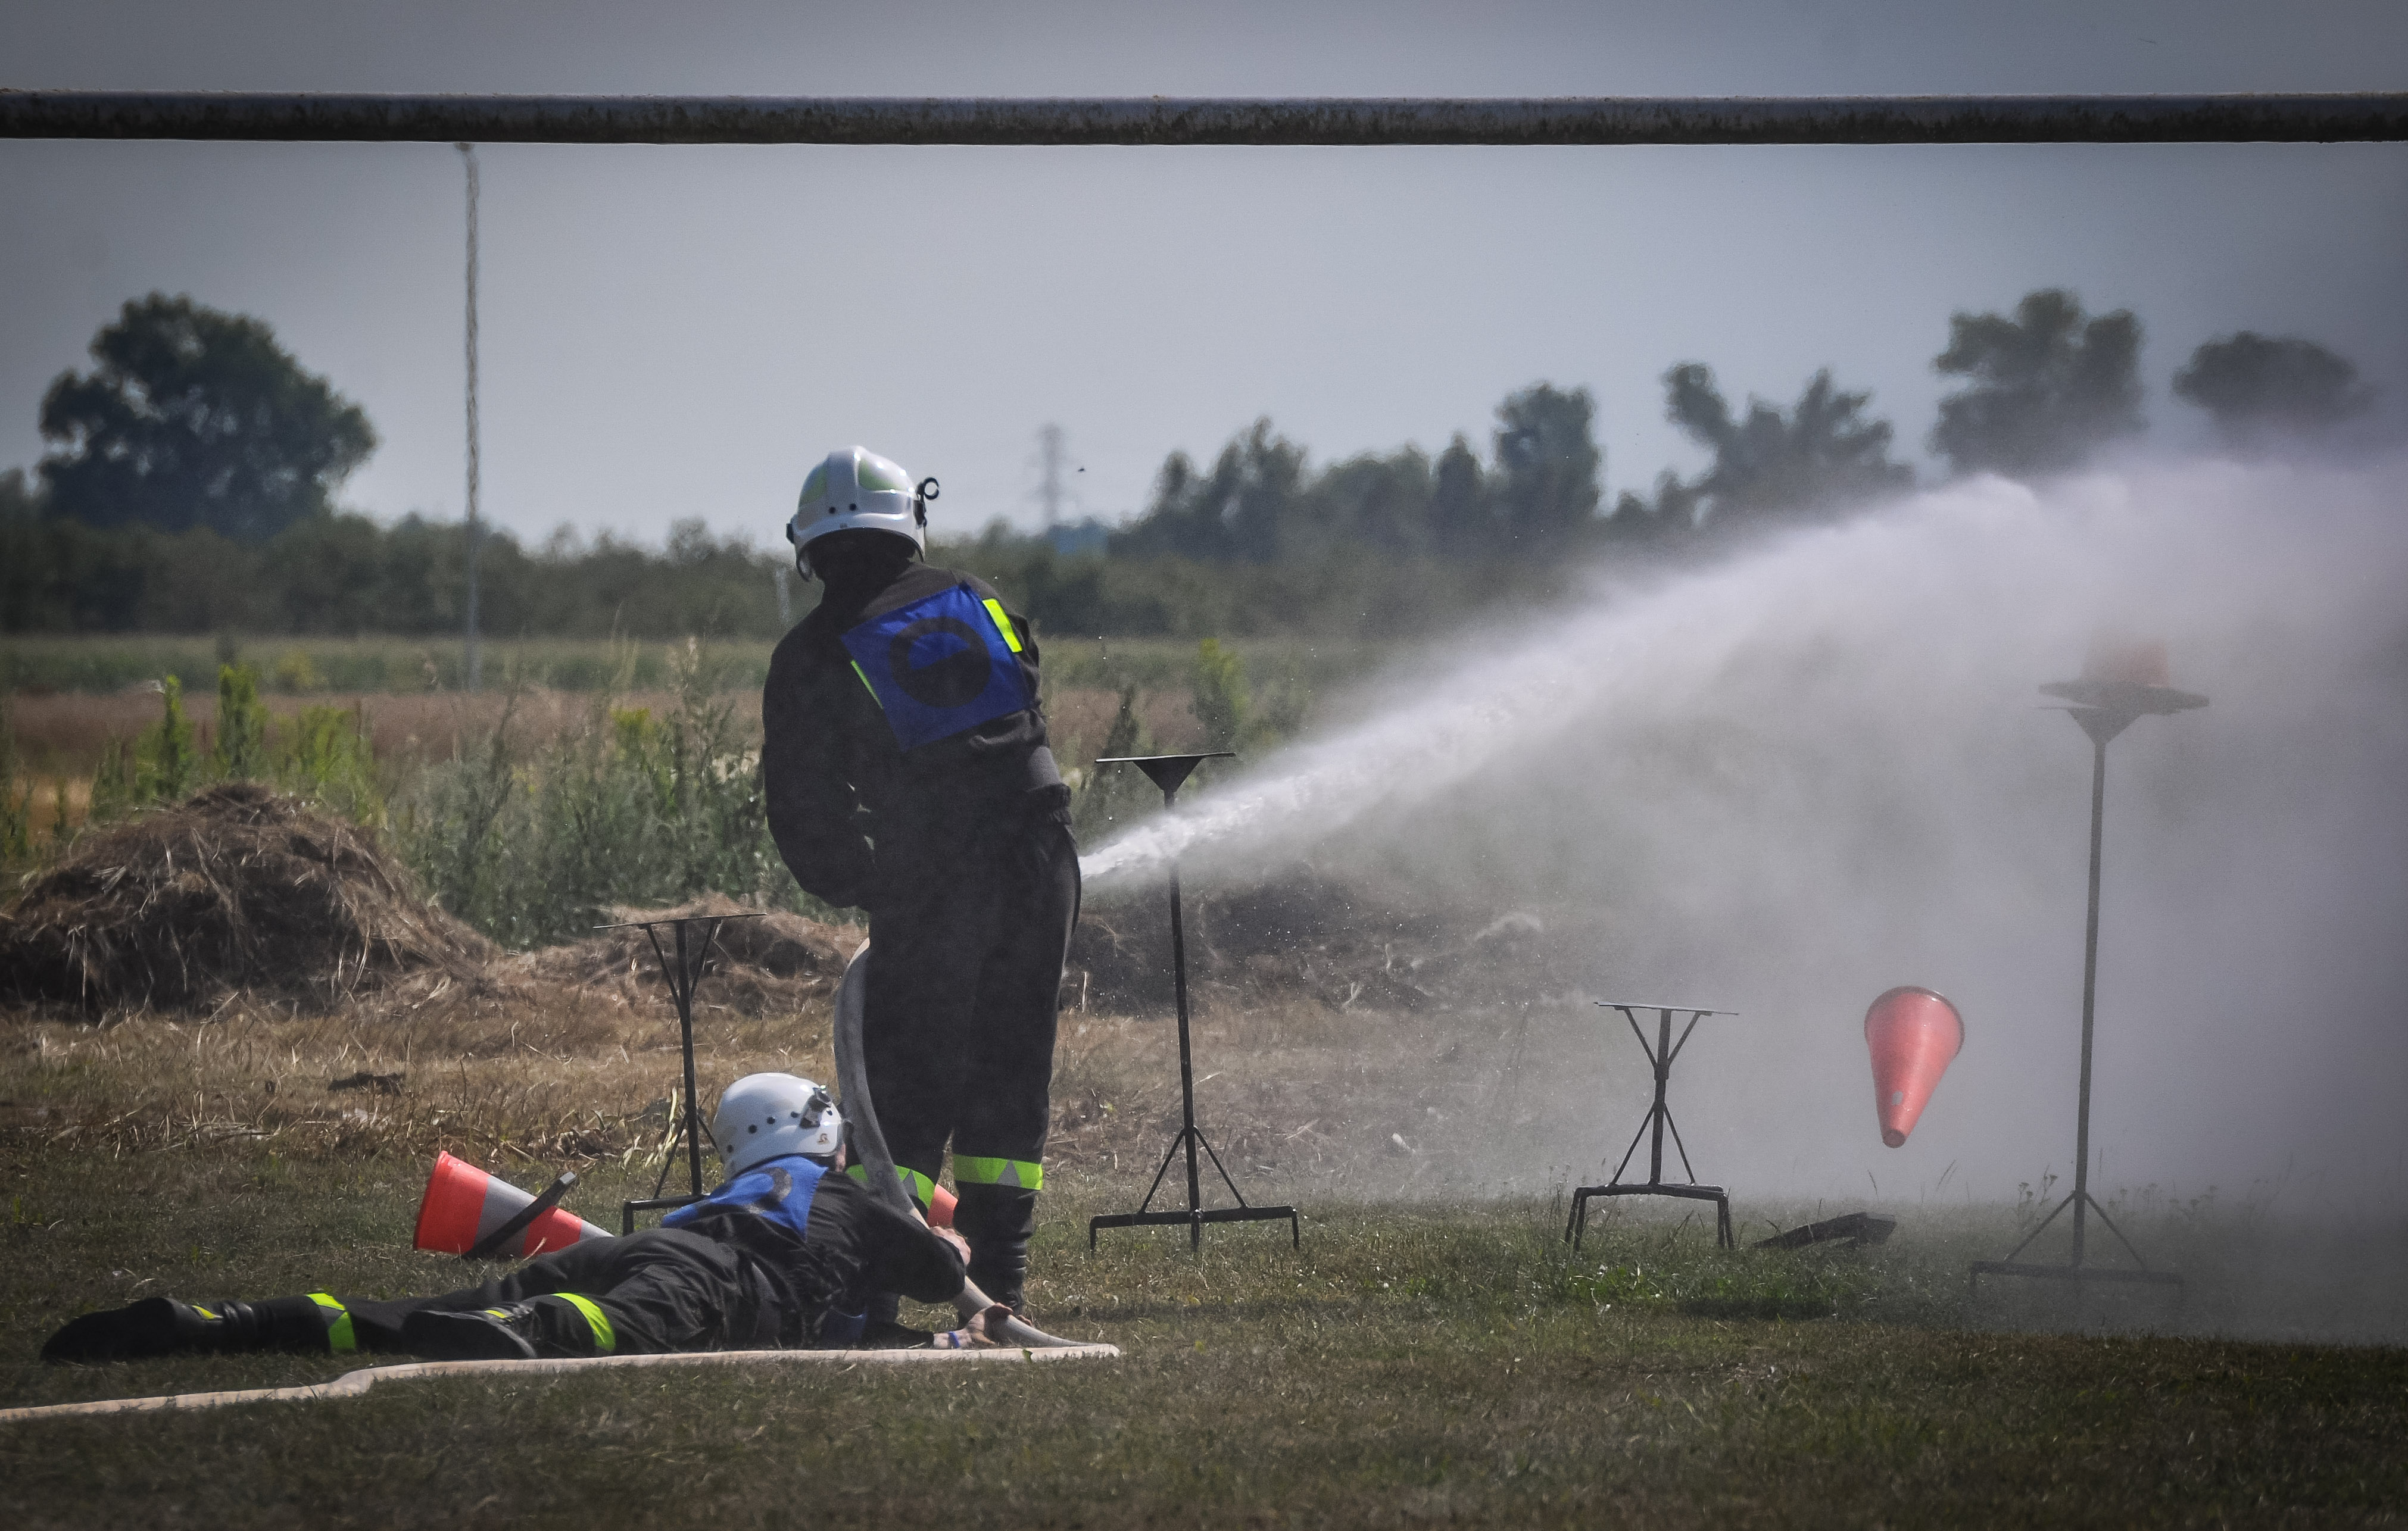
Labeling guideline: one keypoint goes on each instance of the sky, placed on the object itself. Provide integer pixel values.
(673, 332)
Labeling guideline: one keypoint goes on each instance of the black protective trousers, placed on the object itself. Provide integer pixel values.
(659, 1290)
(969, 928)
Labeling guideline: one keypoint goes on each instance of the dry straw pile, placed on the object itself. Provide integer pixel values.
(237, 888)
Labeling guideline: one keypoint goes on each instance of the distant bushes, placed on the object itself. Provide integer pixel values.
(346, 575)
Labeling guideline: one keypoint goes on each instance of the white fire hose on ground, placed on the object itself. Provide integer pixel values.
(354, 1383)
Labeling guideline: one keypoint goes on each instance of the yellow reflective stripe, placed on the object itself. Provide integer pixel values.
(204, 1312)
(970, 1169)
(1003, 625)
(340, 1338)
(920, 1187)
(866, 686)
(604, 1338)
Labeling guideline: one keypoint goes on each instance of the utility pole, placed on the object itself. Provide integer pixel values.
(476, 529)
(1049, 442)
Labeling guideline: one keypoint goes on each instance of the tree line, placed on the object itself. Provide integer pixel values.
(190, 478)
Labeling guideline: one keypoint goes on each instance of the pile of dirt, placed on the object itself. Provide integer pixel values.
(238, 887)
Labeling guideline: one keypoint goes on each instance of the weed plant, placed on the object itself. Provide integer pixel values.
(535, 846)
(322, 755)
(16, 799)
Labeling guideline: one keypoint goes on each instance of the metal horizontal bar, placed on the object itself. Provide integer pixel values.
(1654, 1188)
(1171, 120)
(1181, 1220)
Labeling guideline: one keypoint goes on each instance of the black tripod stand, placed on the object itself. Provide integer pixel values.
(1167, 772)
(693, 957)
(1659, 1117)
(2104, 709)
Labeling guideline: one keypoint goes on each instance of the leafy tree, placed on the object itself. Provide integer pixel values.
(1376, 503)
(1458, 507)
(1821, 453)
(2049, 386)
(1547, 465)
(196, 418)
(2260, 388)
(1244, 510)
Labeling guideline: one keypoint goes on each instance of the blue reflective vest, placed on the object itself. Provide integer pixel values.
(944, 664)
(778, 1189)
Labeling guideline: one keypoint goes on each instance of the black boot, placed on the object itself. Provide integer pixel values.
(154, 1327)
(483, 1334)
(164, 1327)
(997, 1219)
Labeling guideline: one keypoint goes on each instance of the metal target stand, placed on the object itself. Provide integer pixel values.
(683, 976)
(2102, 709)
(1167, 772)
(1659, 1118)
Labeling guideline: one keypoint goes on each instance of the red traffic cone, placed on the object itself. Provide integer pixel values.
(463, 1204)
(1914, 1035)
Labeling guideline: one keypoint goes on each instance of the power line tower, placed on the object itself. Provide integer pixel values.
(1048, 492)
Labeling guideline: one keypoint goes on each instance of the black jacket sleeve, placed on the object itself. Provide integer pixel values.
(816, 815)
(887, 1250)
(903, 1254)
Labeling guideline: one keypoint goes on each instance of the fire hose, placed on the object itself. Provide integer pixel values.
(861, 1111)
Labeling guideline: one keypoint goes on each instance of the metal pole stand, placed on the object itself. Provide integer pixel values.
(1167, 772)
(1659, 1118)
(2103, 709)
(683, 975)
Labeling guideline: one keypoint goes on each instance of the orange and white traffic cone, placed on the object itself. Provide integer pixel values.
(462, 1205)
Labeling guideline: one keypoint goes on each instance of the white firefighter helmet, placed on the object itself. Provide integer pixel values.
(767, 1116)
(855, 490)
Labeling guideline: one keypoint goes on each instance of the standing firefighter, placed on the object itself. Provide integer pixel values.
(908, 773)
(783, 1254)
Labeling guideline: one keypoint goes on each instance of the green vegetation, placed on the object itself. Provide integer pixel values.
(16, 799)
(531, 837)
(320, 754)
(532, 846)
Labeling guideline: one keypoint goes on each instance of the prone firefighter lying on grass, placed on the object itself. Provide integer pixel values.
(786, 1253)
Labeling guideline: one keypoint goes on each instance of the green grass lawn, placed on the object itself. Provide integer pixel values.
(1410, 1365)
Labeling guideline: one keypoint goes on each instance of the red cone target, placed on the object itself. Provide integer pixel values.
(1913, 1034)
(463, 1204)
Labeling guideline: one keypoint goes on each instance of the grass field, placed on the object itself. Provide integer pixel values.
(1417, 1362)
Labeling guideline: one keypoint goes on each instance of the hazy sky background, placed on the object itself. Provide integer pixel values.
(676, 331)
